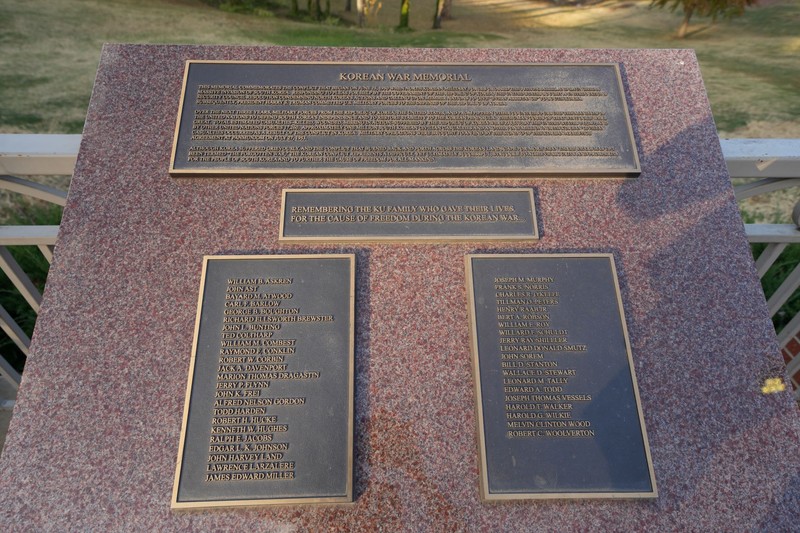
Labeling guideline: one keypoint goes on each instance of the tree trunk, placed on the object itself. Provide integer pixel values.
(348, 6)
(295, 8)
(327, 9)
(308, 7)
(687, 14)
(361, 5)
(446, 14)
(437, 16)
(404, 13)
(317, 10)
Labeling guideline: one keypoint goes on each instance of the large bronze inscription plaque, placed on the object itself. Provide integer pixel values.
(557, 402)
(268, 417)
(408, 214)
(378, 118)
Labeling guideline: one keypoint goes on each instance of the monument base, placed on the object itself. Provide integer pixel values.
(96, 429)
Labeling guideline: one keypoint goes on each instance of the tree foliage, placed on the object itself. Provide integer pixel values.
(703, 8)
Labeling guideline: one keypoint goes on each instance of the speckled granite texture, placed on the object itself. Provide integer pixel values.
(94, 438)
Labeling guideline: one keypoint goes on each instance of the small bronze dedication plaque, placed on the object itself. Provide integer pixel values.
(557, 402)
(408, 215)
(269, 405)
(379, 118)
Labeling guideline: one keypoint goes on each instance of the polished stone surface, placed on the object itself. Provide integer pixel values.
(95, 433)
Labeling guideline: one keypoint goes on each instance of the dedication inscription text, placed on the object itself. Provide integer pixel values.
(408, 214)
(239, 117)
(270, 398)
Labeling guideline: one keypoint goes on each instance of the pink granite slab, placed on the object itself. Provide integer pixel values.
(94, 438)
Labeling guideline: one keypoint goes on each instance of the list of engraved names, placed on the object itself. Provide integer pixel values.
(534, 359)
(248, 439)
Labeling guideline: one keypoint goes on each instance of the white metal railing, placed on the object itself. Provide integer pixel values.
(773, 163)
(23, 154)
(29, 155)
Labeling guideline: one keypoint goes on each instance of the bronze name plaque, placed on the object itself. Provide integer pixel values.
(557, 401)
(408, 215)
(268, 417)
(378, 118)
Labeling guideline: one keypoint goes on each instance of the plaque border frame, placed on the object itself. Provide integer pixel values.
(485, 494)
(207, 504)
(416, 173)
(433, 239)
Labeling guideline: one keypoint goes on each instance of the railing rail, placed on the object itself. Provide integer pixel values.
(29, 155)
(778, 237)
(23, 154)
(774, 164)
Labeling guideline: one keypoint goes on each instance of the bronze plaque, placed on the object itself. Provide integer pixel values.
(408, 215)
(268, 417)
(556, 396)
(379, 118)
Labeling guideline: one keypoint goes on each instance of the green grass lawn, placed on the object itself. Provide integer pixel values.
(49, 50)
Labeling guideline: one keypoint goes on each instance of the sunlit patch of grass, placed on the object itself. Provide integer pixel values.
(332, 36)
